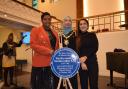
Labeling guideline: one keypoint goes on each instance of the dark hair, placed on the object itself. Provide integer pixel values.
(10, 34)
(44, 14)
(79, 31)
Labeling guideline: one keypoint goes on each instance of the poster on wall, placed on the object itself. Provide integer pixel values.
(35, 4)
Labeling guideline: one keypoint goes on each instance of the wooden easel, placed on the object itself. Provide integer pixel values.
(65, 81)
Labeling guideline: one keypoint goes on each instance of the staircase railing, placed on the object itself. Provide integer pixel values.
(107, 22)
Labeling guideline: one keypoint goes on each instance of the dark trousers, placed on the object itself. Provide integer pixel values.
(1, 72)
(73, 82)
(41, 78)
(10, 71)
(91, 74)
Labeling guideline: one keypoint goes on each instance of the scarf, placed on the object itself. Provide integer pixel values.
(66, 30)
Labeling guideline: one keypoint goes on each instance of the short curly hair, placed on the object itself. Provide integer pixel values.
(44, 14)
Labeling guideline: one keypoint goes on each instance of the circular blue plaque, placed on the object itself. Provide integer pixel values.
(65, 63)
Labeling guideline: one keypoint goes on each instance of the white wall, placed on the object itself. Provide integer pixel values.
(23, 53)
(60, 9)
(107, 42)
(96, 7)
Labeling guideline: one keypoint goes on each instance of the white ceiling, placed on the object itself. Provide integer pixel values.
(14, 24)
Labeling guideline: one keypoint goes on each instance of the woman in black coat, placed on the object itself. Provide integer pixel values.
(9, 57)
(87, 48)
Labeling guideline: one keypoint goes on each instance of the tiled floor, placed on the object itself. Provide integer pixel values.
(23, 80)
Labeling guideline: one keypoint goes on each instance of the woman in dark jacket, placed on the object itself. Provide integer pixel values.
(8, 61)
(87, 48)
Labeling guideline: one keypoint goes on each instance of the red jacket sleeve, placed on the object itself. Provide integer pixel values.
(37, 47)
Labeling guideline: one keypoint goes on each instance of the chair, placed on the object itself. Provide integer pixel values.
(21, 62)
(117, 61)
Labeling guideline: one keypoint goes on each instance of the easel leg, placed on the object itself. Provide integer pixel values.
(64, 80)
(58, 87)
(69, 83)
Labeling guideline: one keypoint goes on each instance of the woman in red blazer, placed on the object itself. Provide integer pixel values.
(44, 41)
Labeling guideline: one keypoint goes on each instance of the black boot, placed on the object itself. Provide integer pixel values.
(5, 77)
(6, 84)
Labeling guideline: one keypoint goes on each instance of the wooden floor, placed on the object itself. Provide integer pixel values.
(23, 80)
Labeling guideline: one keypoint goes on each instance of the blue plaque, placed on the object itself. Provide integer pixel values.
(65, 63)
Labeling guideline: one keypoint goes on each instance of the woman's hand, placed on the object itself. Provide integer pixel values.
(83, 59)
(84, 66)
(51, 52)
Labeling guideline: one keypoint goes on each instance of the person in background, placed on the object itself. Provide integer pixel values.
(1, 56)
(43, 41)
(69, 40)
(9, 58)
(87, 46)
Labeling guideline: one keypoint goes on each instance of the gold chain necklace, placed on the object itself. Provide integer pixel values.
(66, 41)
